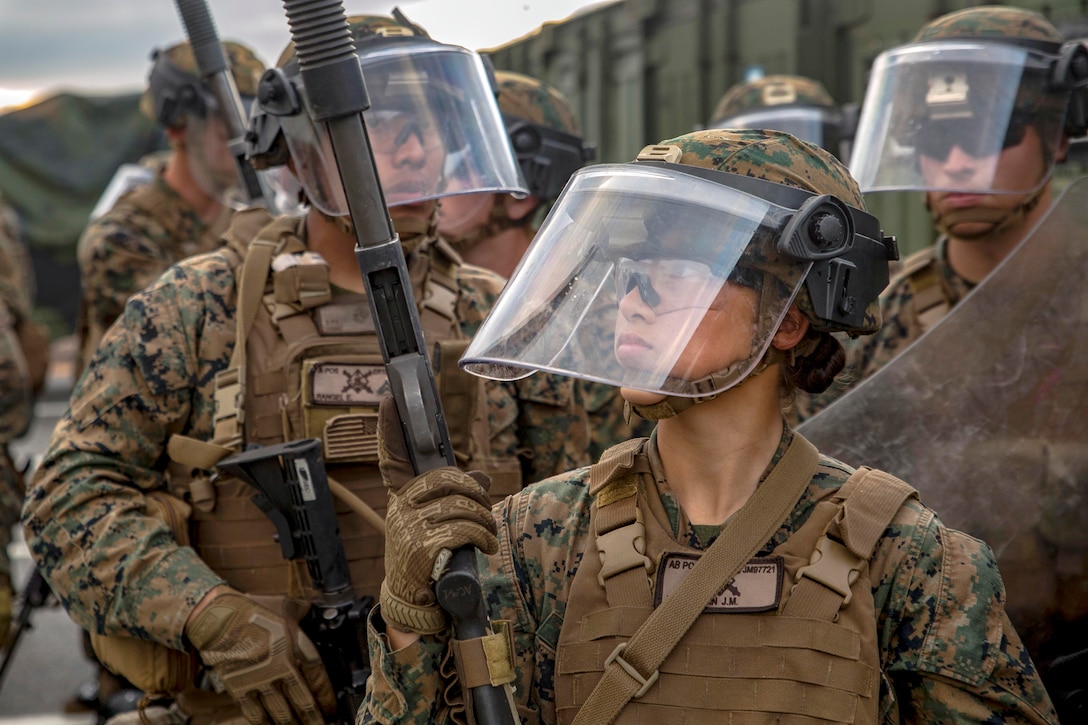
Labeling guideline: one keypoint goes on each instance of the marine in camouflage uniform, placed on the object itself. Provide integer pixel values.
(965, 150)
(16, 388)
(941, 646)
(929, 285)
(89, 519)
(178, 214)
(495, 230)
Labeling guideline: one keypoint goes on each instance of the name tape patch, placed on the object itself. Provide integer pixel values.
(756, 588)
(348, 384)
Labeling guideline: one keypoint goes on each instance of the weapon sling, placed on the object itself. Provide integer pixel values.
(738, 542)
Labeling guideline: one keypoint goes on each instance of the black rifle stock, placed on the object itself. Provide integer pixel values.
(34, 596)
(293, 491)
(333, 80)
(212, 62)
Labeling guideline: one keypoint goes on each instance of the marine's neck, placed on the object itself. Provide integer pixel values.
(715, 452)
(500, 252)
(327, 239)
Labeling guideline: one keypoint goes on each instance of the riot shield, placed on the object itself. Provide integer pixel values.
(987, 416)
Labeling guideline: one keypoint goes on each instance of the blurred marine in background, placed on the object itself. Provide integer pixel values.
(187, 205)
(24, 359)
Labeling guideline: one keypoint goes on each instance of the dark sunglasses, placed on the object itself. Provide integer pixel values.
(935, 139)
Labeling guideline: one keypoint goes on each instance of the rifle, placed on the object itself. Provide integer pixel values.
(212, 62)
(34, 596)
(333, 80)
(293, 491)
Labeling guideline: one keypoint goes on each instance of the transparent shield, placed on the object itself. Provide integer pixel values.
(951, 115)
(987, 416)
(645, 278)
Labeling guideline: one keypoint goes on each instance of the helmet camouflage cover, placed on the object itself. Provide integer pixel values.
(543, 132)
(993, 21)
(245, 66)
(363, 28)
(1012, 24)
(774, 90)
(533, 100)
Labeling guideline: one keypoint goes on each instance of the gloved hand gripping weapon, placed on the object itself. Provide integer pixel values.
(212, 62)
(293, 491)
(333, 80)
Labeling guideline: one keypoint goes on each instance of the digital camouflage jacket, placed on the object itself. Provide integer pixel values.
(128, 247)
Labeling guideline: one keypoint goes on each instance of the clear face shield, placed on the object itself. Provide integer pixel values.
(433, 125)
(820, 126)
(215, 171)
(210, 160)
(937, 116)
(644, 277)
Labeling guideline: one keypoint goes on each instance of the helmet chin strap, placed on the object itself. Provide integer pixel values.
(1001, 220)
(674, 405)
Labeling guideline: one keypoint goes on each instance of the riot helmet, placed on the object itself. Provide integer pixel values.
(177, 98)
(548, 146)
(433, 123)
(794, 104)
(755, 214)
(543, 132)
(972, 84)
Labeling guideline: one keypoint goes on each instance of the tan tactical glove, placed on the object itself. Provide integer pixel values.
(428, 517)
(263, 661)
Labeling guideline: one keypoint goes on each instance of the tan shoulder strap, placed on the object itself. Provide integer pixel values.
(631, 669)
(869, 499)
(617, 526)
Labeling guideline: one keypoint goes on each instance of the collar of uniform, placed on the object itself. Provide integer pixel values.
(955, 286)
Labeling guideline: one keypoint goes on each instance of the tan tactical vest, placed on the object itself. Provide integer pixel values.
(311, 367)
(932, 299)
(763, 651)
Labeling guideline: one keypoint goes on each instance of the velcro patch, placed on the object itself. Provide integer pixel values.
(756, 588)
(346, 384)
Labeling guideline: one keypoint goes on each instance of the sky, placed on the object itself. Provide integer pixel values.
(103, 46)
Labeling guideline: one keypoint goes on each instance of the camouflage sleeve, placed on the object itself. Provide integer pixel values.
(898, 330)
(115, 568)
(406, 685)
(15, 385)
(118, 256)
(949, 651)
(553, 427)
